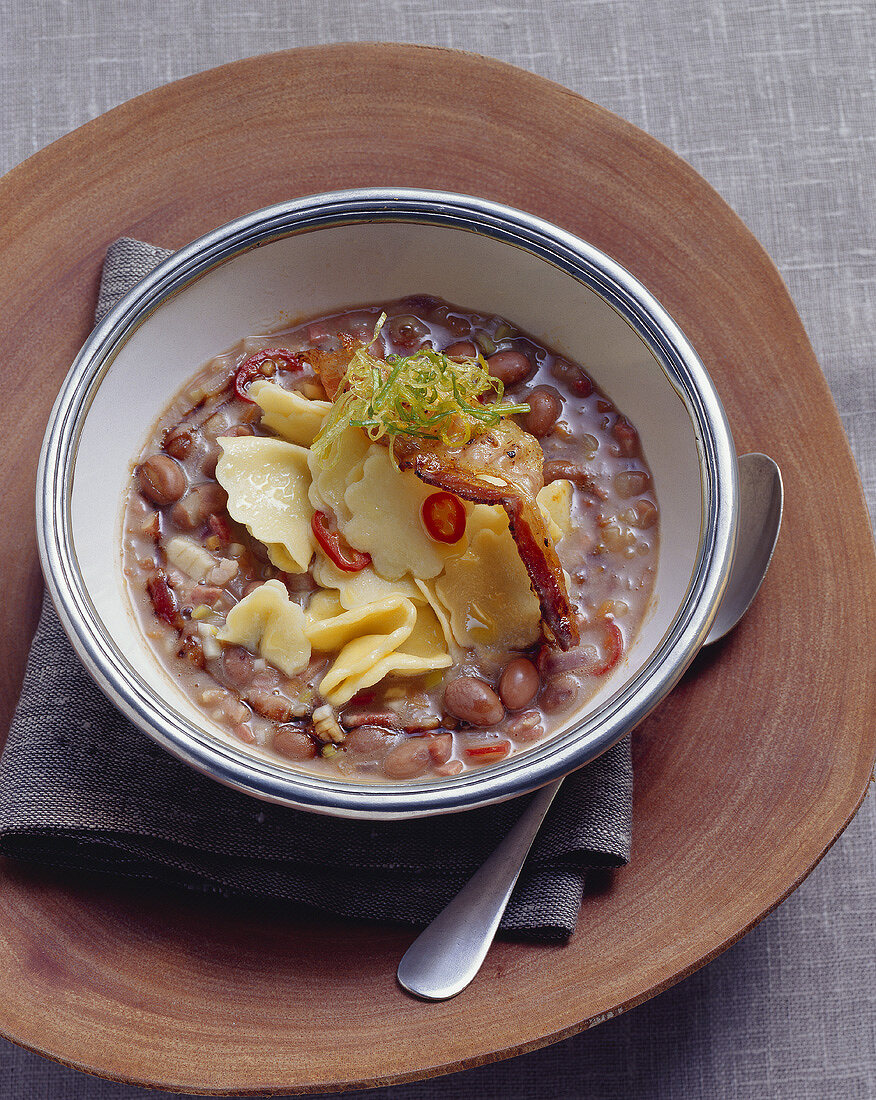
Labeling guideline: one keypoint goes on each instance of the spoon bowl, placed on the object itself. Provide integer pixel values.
(761, 497)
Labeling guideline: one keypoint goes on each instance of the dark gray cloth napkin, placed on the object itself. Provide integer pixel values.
(83, 789)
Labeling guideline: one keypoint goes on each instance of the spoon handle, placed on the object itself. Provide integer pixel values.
(445, 957)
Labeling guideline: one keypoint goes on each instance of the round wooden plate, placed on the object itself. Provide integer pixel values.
(744, 777)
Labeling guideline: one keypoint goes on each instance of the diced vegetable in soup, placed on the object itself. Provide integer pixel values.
(395, 543)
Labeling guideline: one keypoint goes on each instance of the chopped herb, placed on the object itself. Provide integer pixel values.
(427, 395)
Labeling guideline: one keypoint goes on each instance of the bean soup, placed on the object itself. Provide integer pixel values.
(394, 543)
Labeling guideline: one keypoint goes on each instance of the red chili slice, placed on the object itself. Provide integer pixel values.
(488, 754)
(251, 368)
(336, 546)
(614, 647)
(444, 517)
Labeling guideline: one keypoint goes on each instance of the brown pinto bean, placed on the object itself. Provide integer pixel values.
(197, 505)
(646, 514)
(406, 330)
(293, 743)
(244, 733)
(559, 693)
(270, 704)
(462, 348)
(208, 459)
(237, 666)
(626, 435)
(458, 325)
(631, 483)
(545, 407)
(473, 701)
(408, 759)
(178, 442)
(370, 743)
(572, 376)
(440, 747)
(510, 367)
(519, 683)
(452, 767)
(220, 423)
(527, 727)
(161, 480)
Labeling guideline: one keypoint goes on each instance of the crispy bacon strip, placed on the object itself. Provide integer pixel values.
(504, 466)
(331, 366)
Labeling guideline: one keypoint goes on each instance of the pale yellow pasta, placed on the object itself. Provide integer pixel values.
(360, 666)
(427, 639)
(398, 663)
(490, 517)
(329, 485)
(391, 619)
(385, 521)
(486, 592)
(388, 636)
(281, 558)
(416, 604)
(288, 413)
(268, 622)
(365, 586)
(324, 605)
(555, 502)
(267, 482)
(427, 590)
(362, 639)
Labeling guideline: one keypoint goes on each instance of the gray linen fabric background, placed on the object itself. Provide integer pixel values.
(774, 103)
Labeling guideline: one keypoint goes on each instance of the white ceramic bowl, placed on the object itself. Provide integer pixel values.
(318, 255)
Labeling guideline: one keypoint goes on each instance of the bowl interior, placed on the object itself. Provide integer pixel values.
(323, 270)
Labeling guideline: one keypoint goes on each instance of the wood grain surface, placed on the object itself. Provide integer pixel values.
(744, 777)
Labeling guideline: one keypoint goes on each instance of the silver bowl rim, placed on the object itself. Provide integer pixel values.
(580, 743)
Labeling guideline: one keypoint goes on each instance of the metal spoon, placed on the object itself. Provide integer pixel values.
(445, 957)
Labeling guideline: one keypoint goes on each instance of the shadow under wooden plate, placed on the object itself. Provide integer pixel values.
(744, 777)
